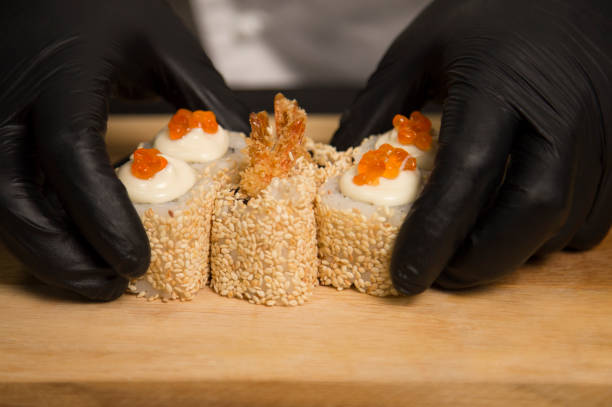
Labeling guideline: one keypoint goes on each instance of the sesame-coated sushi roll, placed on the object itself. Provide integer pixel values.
(359, 210)
(197, 138)
(175, 207)
(265, 249)
(263, 238)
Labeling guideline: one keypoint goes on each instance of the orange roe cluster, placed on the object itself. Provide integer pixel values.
(147, 163)
(385, 162)
(414, 130)
(185, 120)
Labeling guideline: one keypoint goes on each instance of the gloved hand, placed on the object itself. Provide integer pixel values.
(63, 211)
(525, 158)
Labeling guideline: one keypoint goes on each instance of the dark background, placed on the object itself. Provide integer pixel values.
(314, 100)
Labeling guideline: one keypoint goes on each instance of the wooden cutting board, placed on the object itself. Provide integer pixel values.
(542, 336)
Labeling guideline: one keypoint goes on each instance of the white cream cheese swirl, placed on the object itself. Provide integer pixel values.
(195, 146)
(174, 180)
(389, 192)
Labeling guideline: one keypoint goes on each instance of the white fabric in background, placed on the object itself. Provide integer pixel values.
(282, 44)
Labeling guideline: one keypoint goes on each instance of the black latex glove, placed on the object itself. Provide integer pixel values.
(525, 83)
(63, 211)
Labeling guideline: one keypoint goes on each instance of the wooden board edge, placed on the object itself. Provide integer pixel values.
(221, 393)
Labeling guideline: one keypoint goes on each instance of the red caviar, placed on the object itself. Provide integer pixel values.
(414, 130)
(385, 162)
(185, 120)
(147, 163)
(419, 121)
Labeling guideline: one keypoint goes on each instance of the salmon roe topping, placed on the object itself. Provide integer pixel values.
(185, 120)
(147, 163)
(414, 130)
(386, 162)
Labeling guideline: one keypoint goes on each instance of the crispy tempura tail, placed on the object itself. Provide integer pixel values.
(273, 155)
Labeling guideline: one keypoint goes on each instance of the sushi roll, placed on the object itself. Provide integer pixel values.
(197, 138)
(360, 209)
(175, 206)
(263, 238)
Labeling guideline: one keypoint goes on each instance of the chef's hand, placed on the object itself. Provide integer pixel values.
(525, 158)
(64, 213)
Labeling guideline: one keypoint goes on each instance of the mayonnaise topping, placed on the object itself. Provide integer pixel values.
(195, 146)
(425, 159)
(389, 192)
(168, 184)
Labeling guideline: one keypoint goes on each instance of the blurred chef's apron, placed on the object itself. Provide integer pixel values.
(277, 44)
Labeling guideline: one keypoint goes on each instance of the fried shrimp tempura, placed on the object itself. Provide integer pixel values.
(273, 154)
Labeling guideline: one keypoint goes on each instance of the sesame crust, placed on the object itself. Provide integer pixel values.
(265, 250)
(324, 154)
(179, 248)
(355, 250)
(329, 162)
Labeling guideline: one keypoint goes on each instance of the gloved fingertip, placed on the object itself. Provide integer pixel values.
(106, 291)
(456, 278)
(403, 278)
(587, 239)
(135, 261)
(447, 282)
(111, 295)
